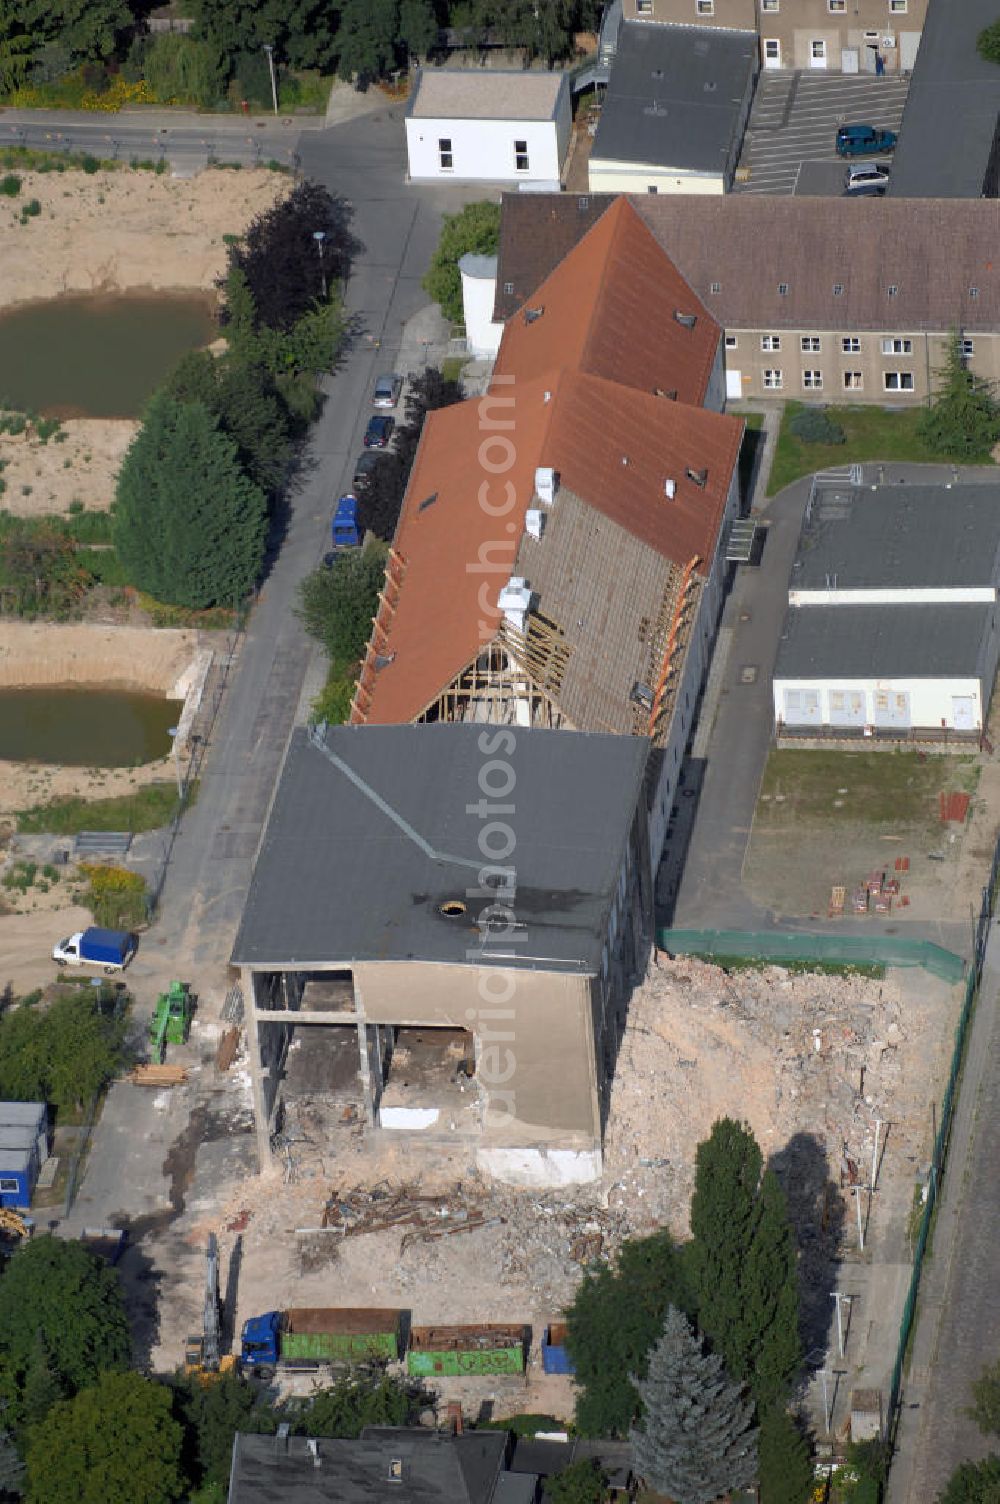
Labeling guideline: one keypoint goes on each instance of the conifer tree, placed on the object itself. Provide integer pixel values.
(696, 1440)
(786, 1474)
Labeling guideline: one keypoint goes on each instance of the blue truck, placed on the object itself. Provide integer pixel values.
(112, 949)
(344, 526)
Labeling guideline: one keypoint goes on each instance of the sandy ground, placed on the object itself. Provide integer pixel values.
(26, 940)
(80, 467)
(114, 230)
(23, 785)
(699, 1045)
(108, 232)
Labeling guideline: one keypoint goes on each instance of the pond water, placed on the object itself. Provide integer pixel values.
(97, 356)
(93, 728)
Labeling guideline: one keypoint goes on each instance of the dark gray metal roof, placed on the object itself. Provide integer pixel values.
(373, 829)
(675, 96)
(435, 1468)
(899, 537)
(548, 1457)
(952, 109)
(884, 642)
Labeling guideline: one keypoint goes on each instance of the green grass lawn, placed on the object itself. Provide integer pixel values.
(148, 808)
(451, 369)
(802, 788)
(873, 433)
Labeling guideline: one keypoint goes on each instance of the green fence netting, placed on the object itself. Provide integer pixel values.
(799, 949)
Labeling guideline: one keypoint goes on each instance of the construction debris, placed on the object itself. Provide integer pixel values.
(228, 1049)
(157, 1075)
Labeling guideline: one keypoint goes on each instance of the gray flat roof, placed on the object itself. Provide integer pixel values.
(675, 95)
(951, 113)
(900, 536)
(485, 94)
(34, 1113)
(373, 829)
(883, 642)
(434, 1469)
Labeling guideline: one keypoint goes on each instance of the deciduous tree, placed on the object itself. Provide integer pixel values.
(212, 1414)
(583, 1482)
(337, 605)
(477, 229)
(113, 1443)
(189, 525)
(346, 1408)
(616, 1316)
(282, 261)
(696, 1440)
(368, 38)
(973, 1483)
(985, 1407)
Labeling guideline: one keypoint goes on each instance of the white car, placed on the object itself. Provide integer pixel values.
(867, 177)
(387, 390)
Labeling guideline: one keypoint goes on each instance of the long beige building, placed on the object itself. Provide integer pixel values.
(846, 36)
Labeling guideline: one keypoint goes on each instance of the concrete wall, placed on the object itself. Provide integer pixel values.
(483, 150)
(920, 361)
(608, 176)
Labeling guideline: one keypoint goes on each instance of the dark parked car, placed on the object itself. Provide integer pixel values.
(864, 140)
(379, 431)
(364, 465)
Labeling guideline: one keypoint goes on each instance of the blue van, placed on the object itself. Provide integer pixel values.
(864, 140)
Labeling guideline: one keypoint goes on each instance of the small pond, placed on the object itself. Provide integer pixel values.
(98, 356)
(92, 728)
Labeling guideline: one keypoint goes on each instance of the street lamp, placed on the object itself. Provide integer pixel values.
(172, 733)
(319, 236)
(268, 48)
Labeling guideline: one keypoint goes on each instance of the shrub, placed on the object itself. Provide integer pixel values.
(31, 209)
(813, 425)
(115, 896)
(10, 185)
(988, 43)
(90, 164)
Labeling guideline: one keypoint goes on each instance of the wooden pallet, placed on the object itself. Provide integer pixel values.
(158, 1075)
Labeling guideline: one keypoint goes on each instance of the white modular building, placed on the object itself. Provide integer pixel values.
(488, 126)
(891, 629)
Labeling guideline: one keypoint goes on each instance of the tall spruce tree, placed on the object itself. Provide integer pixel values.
(786, 1473)
(743, 1263)
(963, 420)
(189, 525)
(696, 1440)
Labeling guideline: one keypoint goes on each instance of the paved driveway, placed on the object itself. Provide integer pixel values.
(789, 145)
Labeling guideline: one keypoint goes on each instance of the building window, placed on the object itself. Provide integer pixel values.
(731, 342)
(968, 347)
(521, 156)
(444, 152)
(817, 50)
(770, 342)
(772, 381)
(853, 381)
(715, 287)
(851, 345)
(897, 7)
(891, 290)
(772, 51)
(644, 7)
(809, 342)
(705, 7)
(897, 381)
(812, 381)
(973, 292)
(770, 6)
(652, 188)
(782, 289)
(838, 289)
(836, 7)
(8, 1183)
(894, 346)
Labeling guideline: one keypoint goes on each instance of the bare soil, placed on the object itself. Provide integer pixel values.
(80, 467)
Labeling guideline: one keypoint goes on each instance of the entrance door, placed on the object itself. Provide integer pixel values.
(772, 52)
(892, 708)
(802, 707)
(848, 60)
(734, 384)
(847, 707)
(817, 53)
(963, 712)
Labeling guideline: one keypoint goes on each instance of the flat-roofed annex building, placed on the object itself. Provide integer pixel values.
(489, 126)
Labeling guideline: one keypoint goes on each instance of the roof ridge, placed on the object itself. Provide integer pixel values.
(612, 219)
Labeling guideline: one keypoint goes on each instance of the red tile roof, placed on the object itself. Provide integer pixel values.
(613, 307)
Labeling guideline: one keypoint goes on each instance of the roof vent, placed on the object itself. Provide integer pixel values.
(657, 72)
(670, 488)
(546, 396)
(715, 287)
(281, 1437)
(583, 203)
(699, 477)
(534, 522)
(312, 1447)
(641, 694)
(532, 314)
(546, 484)
(428, 501)
(395, 1470)
(686, 320)
(514, 601)
(382, 660)
(892, 289)
(838, 289)
(508, 288)
(782, 289)
(973, 292)
(710, 87)
(670, 395)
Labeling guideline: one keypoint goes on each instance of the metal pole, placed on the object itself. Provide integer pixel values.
(840, 1325)
(274, 87)
(172, 733)
(861, 1227)
(826, 1396)
(878, 1129)
(319, 236)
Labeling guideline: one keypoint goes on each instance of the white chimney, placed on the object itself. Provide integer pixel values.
(546, 485)
(534, 522)
(670, 489)
(514, 601)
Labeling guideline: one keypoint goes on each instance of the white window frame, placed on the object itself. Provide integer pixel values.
(732, 343)
(644, 7)
(773, 380)
(836, 7)
(772, 56)
(810, 344)
(851, 344)
(896, 344)
(445, 150)
(854, 381)
(521, 150)
(9, 1185)
(812, 381)
(897, 381)
(898, 7)
(704, 7)
(770, 342)
(770, 7)
(968, 347)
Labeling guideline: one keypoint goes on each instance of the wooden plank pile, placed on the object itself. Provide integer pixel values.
(158, 1075)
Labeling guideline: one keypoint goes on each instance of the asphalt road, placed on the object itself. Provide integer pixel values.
(185, 142)
(208, 874)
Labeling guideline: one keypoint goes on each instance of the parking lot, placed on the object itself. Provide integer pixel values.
(789, 145)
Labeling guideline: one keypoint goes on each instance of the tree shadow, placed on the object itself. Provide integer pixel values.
(816, 1212)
